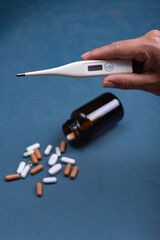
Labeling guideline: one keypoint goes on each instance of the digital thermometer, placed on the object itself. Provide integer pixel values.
(90, 68)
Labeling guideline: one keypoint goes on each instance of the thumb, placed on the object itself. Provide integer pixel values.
(143, 81)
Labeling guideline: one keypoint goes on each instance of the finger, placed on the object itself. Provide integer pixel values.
(127, 49)
(130, 81)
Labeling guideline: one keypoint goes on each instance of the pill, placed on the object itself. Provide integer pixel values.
(50, 180)
(28, 153)
(71, 136)
(30, 163)
(67, 169)
(68, 160)
(39, 189)
(25, 171)
(74, 172)
(53, 159)
(48, 150)
(33, 146)
(34, 158)
(38, 154)
(21, 167)
(12, 177)
(63, 146)
(36, 169)
(55, 169)
(58, 151)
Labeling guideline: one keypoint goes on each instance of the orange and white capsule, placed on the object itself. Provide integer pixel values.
(38, 154)
(67, 169)
(39, 189)
(34, 158)
(12, 177)
(74, 172)
(36, 169)
(62, 146)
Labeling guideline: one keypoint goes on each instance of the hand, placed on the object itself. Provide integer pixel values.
(145, 53)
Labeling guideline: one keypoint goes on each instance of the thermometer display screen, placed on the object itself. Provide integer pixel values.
(95, 68)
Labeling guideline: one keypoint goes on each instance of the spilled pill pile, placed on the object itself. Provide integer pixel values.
(34, 153)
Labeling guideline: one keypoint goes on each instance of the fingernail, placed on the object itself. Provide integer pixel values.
(85, 54)
(109, 84)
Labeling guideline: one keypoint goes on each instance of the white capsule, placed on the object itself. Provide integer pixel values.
(53, 159)
(48, 150)
(50, 180)
(25, 171)
(68, 160)
(32, 147)
(21, 167)
(58, 151)
(55, 169)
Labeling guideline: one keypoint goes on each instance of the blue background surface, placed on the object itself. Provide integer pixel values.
(117, 192)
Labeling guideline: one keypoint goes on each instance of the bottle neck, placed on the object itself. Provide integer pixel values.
(71, 129)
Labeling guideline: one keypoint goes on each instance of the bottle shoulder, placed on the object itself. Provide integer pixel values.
(78, 116)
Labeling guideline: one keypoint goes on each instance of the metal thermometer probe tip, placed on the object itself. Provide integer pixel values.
(20, 74)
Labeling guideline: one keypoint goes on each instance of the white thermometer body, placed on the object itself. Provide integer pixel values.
(90, 68)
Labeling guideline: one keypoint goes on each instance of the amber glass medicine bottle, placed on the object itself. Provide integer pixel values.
(93, 118)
